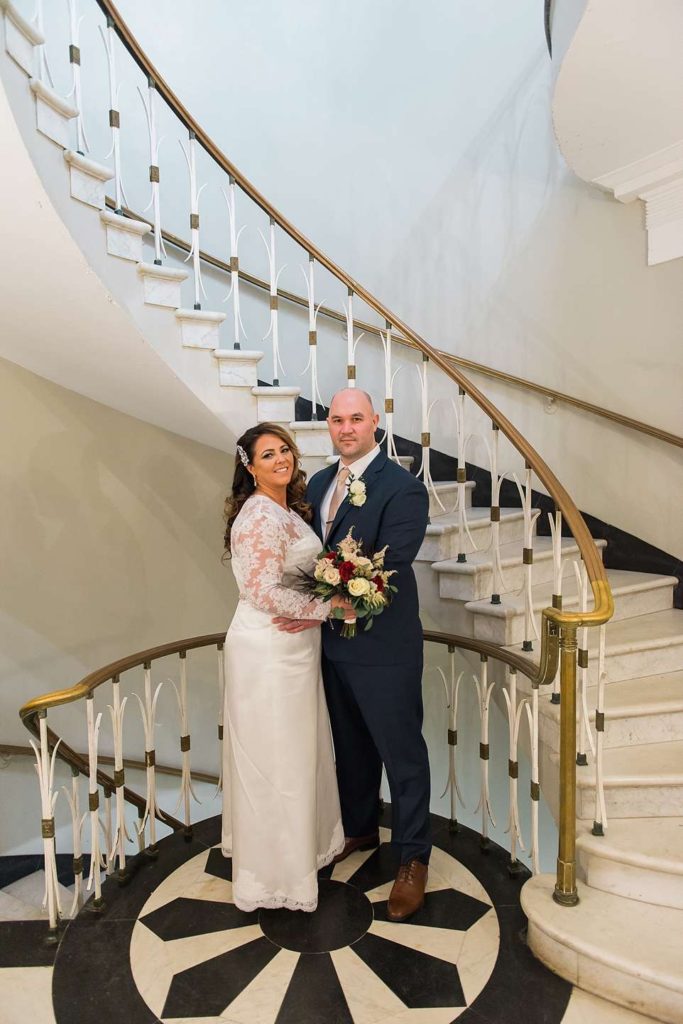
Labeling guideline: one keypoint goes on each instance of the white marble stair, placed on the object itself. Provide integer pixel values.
(635, 593)
(473, 580)
(25, 897)
(622, 950)
(443, 498)
(441, 538)
(646, 710)
(635, 648)
(644, 781)
(636, 859)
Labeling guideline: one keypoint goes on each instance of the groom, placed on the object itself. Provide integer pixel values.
(373, 683)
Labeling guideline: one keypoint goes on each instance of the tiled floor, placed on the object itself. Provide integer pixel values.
(172, 947)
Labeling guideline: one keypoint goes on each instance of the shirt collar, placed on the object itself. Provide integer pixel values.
(358, 467)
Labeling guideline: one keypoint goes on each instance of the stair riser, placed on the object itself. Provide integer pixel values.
(479, 585)
(626, 606)
(628, 801)
(638, 663)
(437, 547)
(604, 980)
(275, 410)
(632, 881)
(448, 495)
(161, 293)
(621, 732)
(87, 189)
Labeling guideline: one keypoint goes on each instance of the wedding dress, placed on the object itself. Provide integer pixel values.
(281, 816)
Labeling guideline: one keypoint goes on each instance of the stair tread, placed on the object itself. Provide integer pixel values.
(656, 629)
(635, 841)
(477, 516)
(644, 764)
(640, 939)
(622, 581)
(510, 554)
(648, 695)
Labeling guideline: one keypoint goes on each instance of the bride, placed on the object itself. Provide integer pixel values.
(281, 816)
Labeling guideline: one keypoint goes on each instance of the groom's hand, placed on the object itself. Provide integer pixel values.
(286, 625)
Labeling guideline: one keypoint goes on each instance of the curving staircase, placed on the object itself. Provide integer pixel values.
(139, 323)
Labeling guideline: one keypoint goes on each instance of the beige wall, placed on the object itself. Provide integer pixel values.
(111, 539)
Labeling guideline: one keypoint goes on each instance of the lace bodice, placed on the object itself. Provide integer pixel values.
(270, 546)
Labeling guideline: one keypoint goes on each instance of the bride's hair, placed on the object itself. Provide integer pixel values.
(243, 482)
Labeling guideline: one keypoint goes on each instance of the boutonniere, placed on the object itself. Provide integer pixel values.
(357, 495)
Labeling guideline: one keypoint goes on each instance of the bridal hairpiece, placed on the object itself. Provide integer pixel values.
(243, 455)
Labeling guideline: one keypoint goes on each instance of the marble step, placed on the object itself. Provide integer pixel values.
(31, 890)
(640, 782)
(275, 404)
(442, 537)
(646, 710)
(13, 909)
(635, 859)
(443, 498)
(616, 948)
(635, 593)
(473, 580)
(643, 646)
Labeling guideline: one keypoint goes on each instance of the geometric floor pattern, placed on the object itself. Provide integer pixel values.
(172, 947)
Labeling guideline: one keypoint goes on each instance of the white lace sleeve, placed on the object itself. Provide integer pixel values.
(259, 546)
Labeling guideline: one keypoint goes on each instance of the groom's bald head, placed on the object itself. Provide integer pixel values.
(352, 423)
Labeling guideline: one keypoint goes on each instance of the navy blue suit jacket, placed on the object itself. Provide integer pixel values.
(395, 513)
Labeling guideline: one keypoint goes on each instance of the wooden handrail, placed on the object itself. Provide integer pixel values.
(467, 364)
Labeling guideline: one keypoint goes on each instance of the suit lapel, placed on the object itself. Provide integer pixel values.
(320, 490)
(375, 466)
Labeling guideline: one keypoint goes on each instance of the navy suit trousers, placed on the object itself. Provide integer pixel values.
(376, 716)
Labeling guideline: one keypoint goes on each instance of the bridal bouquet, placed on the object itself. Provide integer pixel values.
(362, 579)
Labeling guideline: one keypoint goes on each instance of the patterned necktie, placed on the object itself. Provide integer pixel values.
(337, 497)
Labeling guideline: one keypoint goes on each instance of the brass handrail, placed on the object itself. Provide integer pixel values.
(468, 364)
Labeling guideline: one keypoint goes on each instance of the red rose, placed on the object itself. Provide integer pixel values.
(346, 570)
(379, 583)
(331, 555)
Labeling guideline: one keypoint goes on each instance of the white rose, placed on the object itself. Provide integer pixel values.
(319, 570)
(356, 487)
(358, 499)
(331, 576)
(365, 565)
(359, 587)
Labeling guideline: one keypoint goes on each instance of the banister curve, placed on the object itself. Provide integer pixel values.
(604, 605)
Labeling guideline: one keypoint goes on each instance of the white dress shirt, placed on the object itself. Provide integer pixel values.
(356, 470)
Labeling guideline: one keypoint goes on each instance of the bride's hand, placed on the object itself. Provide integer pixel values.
(345, 605)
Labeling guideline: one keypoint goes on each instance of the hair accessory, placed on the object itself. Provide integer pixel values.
(243, 455)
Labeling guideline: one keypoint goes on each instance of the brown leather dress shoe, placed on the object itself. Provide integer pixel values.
(408, 891)
(352, 843)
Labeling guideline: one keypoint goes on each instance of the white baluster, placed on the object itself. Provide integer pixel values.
(530, 625)
(600, 823)
(389, 378)
(186, 787)
(44, 73)
(312, 364)
(109, 40)
(237, 325)
(555, 523)
(514, 711)
(96, 859)
(535, 789)
(77, 820)
(75, 60)
(425, 437)
(461, 477)
(484, 692)
(107, 828)
(497, 582)
(585, 735)
(45, 769)
(149, 106)
(273, 328)
(190, 155)
(117, 845)
(452, 787)
(351, 343)
(148, 714)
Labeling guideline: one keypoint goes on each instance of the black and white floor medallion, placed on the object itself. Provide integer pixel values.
(195, 957)
(172, 947)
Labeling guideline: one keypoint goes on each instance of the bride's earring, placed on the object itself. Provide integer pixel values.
(255, 480)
